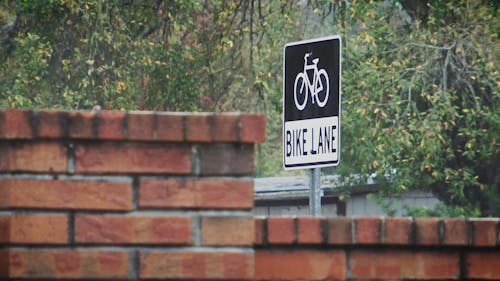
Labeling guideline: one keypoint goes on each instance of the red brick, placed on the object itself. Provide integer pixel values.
(38, 229)
(483, 265)
(4, 264)
(238, 266)
(397, 231)
(15, 124)
(65, 264)
(81, 124)
(253, 128)
(196, 194)
(456, 232)
(198, 128)
(484, 232)
(300, 265)
(130, 159)
(170, 127)
(226, 159)
(141, 126)
(111, 125)
(98, 229)
(40, 156)
(4, 157)
(65, 194)
(281, 230)
(339, 230)
(259, 230)
(51, 123)
(227, 231)
(226, 127)
(368, 230)
(427, 231)
(309, 230)
(4, 228)
(398, 264)
(5, 201)
(196, 265)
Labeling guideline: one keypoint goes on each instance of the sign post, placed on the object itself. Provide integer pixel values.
(315, 192)
(311, 109)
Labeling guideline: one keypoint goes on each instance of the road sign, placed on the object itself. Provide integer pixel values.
(311, 103)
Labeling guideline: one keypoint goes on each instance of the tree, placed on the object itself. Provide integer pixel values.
(156, 55)
(421, 99)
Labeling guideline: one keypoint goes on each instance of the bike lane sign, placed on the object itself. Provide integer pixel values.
(311, 103)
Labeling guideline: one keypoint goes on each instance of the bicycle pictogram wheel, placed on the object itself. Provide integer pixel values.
(323, 88)
(300, 91)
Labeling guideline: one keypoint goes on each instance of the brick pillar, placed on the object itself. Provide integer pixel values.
(127, 195)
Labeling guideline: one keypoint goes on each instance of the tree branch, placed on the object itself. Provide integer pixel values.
(8, 30)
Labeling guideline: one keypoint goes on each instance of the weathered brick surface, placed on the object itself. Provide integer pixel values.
(98, 229)
(196, 265)
(65, 194)
(225, 127)
(82, 125)
(226, 159)
(4, 228)
(38, 229)
(396, 264)
(198, 127)
(260, 235)
(111, 125)
(253, 128)
(397, 231)
(483, 265)
(485, 232)
(339, 230)
(309, 230)
(368, 230)
(300, 265)
(51, 124)
(170, 127)
(227, 231)
(427, 231)
(4, 264)
(67, 264)
(16, 124)
(41, 156)
(111, 158)
(196, 194)
(141, 125)
(456, 232)
(281, 230)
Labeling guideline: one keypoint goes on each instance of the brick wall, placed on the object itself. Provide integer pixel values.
(154, 196)
(375, 248)
(127, 195)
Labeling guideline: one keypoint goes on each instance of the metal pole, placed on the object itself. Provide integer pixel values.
(315, 192)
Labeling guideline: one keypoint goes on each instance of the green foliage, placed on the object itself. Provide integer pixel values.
(156, 55)
(421, 102)
(442, 210)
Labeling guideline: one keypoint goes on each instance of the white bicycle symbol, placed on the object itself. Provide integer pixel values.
(318, 87)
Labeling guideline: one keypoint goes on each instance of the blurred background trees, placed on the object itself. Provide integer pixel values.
(420, 78)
